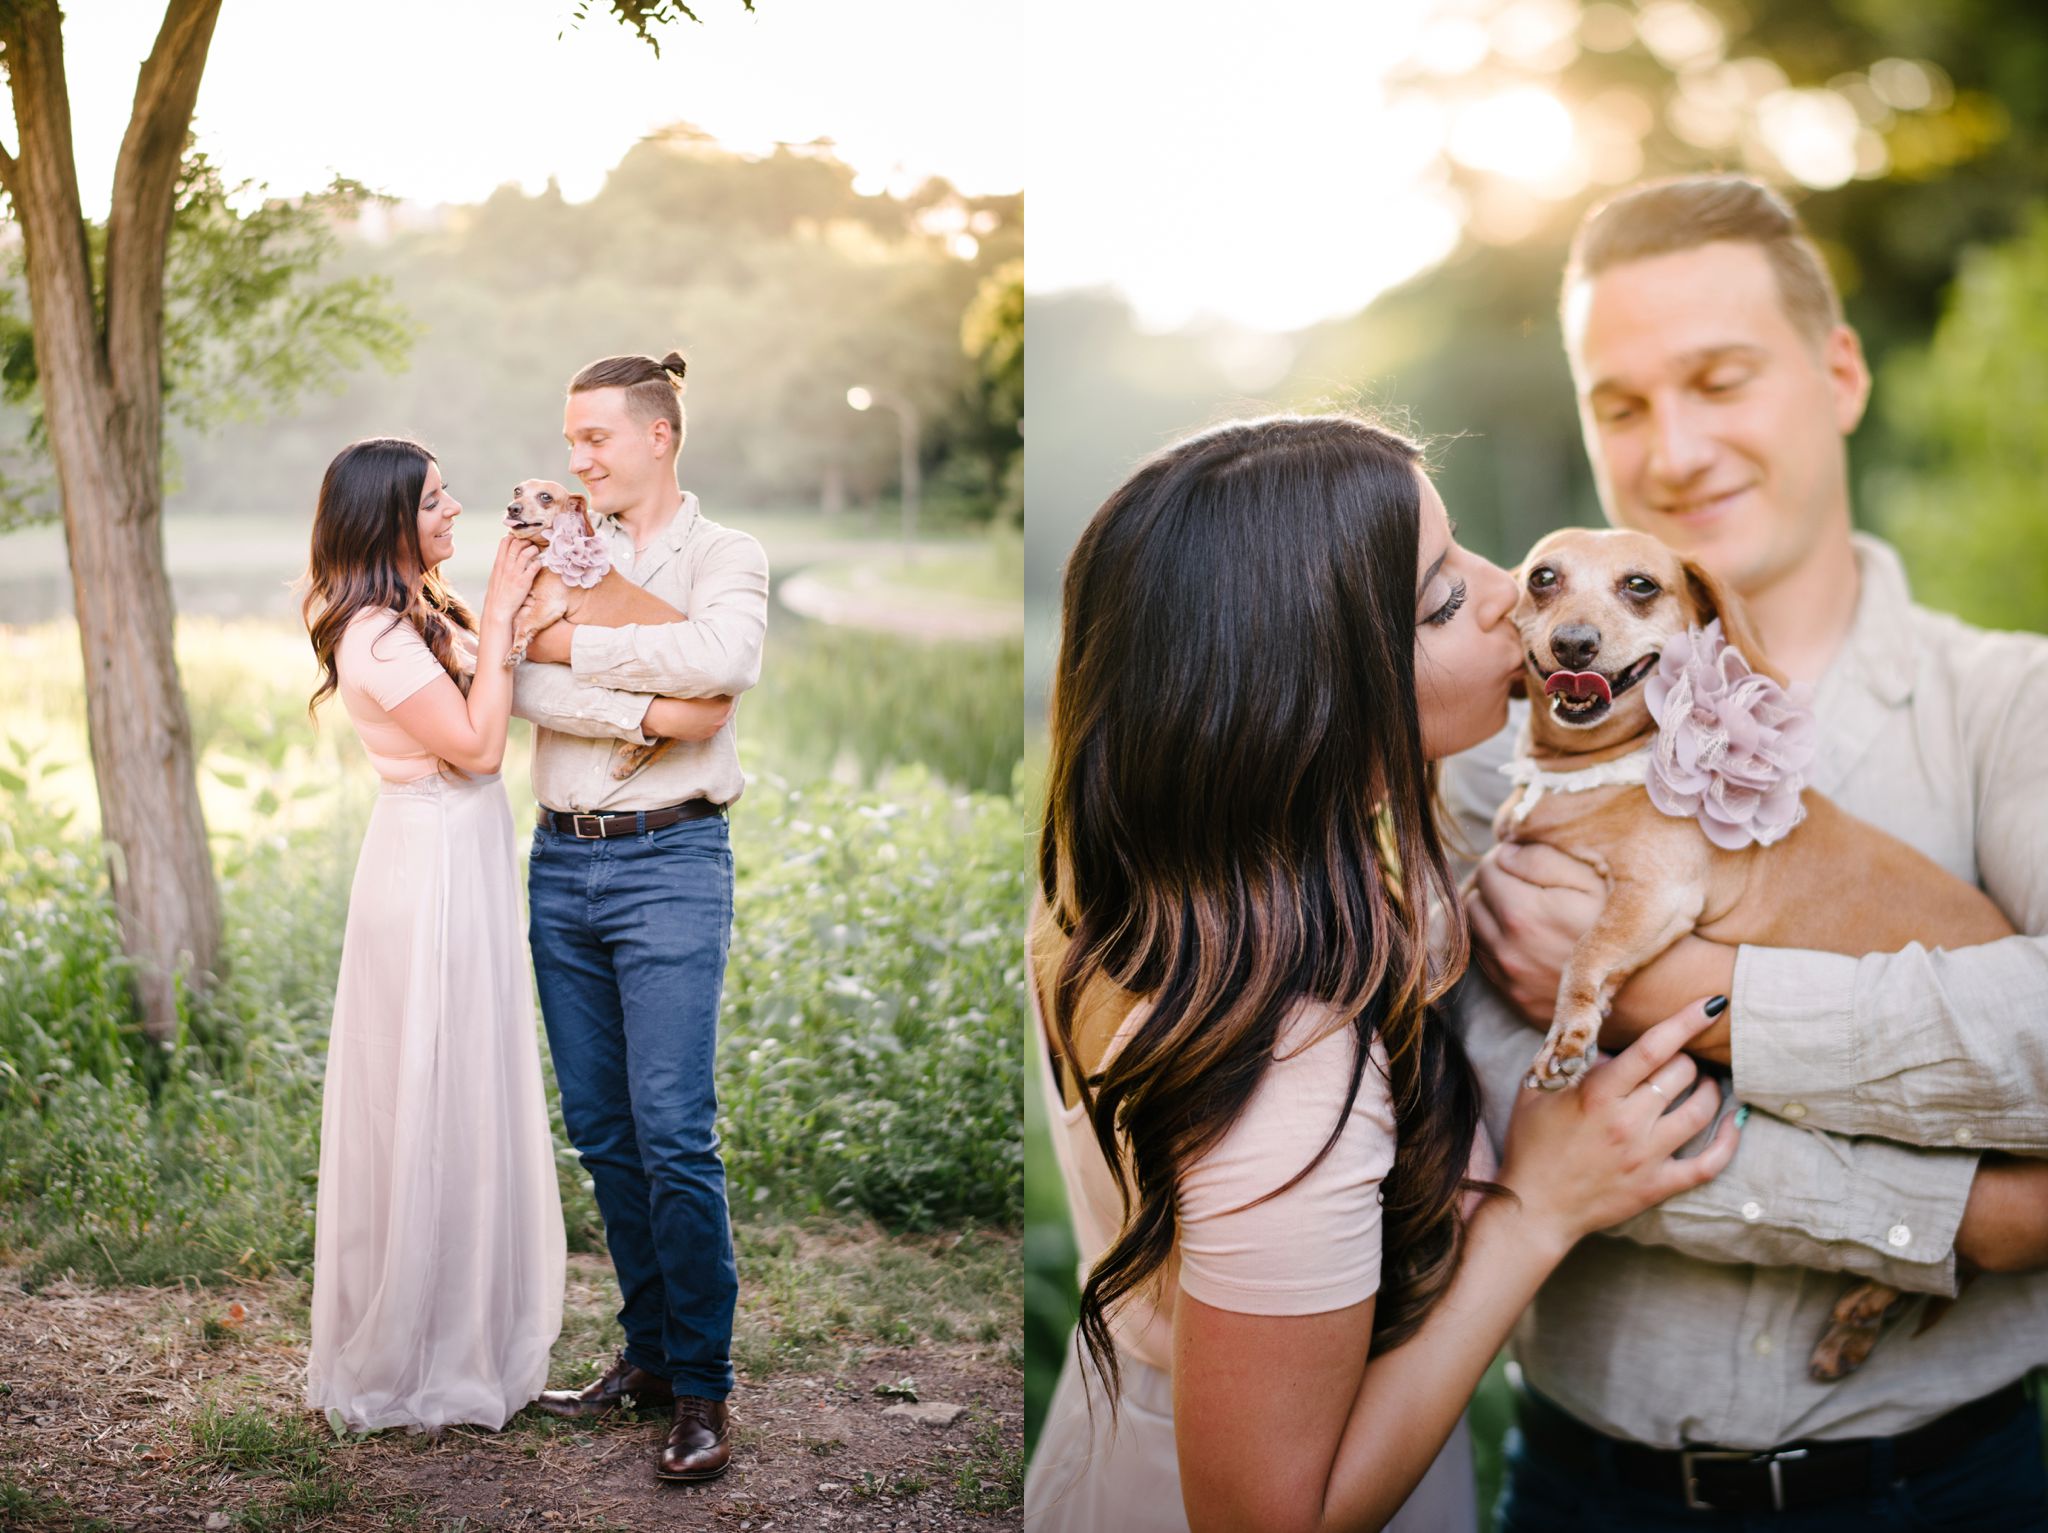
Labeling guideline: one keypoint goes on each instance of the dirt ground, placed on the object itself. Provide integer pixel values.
(139, 1408)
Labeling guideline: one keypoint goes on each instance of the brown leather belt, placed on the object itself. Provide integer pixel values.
(1771, 1479)
(628, 822)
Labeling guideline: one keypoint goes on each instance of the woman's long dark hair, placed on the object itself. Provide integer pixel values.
(366, 556)
(1239, 818)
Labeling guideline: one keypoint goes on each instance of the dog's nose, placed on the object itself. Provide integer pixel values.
(1575, 645)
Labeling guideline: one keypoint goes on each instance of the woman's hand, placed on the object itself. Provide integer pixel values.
(512, 576)
(1586, 1159)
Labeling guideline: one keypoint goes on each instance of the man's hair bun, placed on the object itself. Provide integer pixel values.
(674, 363)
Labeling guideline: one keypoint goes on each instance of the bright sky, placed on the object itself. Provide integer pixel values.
(1237, 162)
(446, 100)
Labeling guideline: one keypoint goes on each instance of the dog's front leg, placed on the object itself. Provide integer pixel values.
(544, 604)
(1639, 921)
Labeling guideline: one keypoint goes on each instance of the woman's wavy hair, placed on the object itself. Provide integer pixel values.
(1239, 817)
(366, 555)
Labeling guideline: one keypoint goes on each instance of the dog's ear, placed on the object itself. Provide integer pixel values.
(581, 505)
(1712, 598)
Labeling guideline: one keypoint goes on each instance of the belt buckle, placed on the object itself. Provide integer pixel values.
(1689, 1456)
(596, 832)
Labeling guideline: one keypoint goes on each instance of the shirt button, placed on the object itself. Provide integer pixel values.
(1764, 1346)
(1752, 1211)
(1899, 1235)
(1965, 1134)
(1795, 1110)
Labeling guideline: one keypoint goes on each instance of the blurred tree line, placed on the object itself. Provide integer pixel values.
(781, 283)
(1912, 137)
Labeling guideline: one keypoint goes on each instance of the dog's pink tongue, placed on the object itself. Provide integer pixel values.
(1579, 684)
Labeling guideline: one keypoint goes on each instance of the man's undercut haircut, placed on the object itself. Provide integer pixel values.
(1664, 217)
(654, 390)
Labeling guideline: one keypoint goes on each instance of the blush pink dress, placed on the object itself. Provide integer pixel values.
(438, 1245)
(1312, 1248)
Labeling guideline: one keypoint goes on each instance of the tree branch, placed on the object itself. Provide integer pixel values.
(139, 217)
(43, 186)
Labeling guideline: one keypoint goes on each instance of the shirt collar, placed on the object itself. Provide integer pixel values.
(670, 537)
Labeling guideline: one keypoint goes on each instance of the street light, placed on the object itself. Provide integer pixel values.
(906, 417)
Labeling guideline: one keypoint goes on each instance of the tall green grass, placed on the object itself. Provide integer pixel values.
(869, 1052)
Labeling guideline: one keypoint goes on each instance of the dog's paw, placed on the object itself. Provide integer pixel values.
(1856, 1323)
(1560, 1065)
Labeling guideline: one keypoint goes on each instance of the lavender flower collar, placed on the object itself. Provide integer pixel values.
(1731, 751)
(1732, 746)
(574, 552)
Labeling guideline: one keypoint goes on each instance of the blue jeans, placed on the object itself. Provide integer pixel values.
(629, 941)
(1995, 1485)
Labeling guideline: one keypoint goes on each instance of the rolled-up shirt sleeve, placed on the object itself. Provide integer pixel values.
(1795, 1197)
(548, 695)
(1792, 1197)
(1928, 1046)
(715, 652)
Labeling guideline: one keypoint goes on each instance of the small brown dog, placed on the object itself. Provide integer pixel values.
(576, 581)
(1597, 611)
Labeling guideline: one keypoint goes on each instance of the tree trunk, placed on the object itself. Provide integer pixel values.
(102, 401)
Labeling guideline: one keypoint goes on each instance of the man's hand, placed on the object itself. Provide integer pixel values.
(1529, 904)
(551, 644)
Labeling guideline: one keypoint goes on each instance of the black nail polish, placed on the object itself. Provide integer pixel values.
(1717, 1005)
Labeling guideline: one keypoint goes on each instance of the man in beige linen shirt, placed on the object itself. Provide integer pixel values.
(1717, 387)
(630, 888)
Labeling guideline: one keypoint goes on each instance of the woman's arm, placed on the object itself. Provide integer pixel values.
(1282, 1424)
(469, 732)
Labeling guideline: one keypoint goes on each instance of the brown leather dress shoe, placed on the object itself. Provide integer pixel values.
(622, 1381)
(696, 1447)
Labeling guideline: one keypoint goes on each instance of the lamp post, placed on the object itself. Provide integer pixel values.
(906, 418)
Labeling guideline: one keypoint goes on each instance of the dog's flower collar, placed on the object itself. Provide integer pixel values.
(1732, 746)
(574, 552)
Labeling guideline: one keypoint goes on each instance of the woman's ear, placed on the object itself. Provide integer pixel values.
(1711, 598)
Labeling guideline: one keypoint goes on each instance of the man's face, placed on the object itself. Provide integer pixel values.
(620, 460)
(1712, 421)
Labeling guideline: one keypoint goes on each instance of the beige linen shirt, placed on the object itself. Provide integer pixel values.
(1874, 1082)
(719, 578)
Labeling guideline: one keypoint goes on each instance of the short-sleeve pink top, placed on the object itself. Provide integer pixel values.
(380, 665)
(1313, 1248)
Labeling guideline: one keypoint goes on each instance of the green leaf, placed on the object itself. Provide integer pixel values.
(13, 782)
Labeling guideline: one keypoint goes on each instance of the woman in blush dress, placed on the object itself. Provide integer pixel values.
(1295, 1272)
(438, 1244)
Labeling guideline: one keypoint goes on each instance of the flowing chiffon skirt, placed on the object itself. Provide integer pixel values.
(438, 1245)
